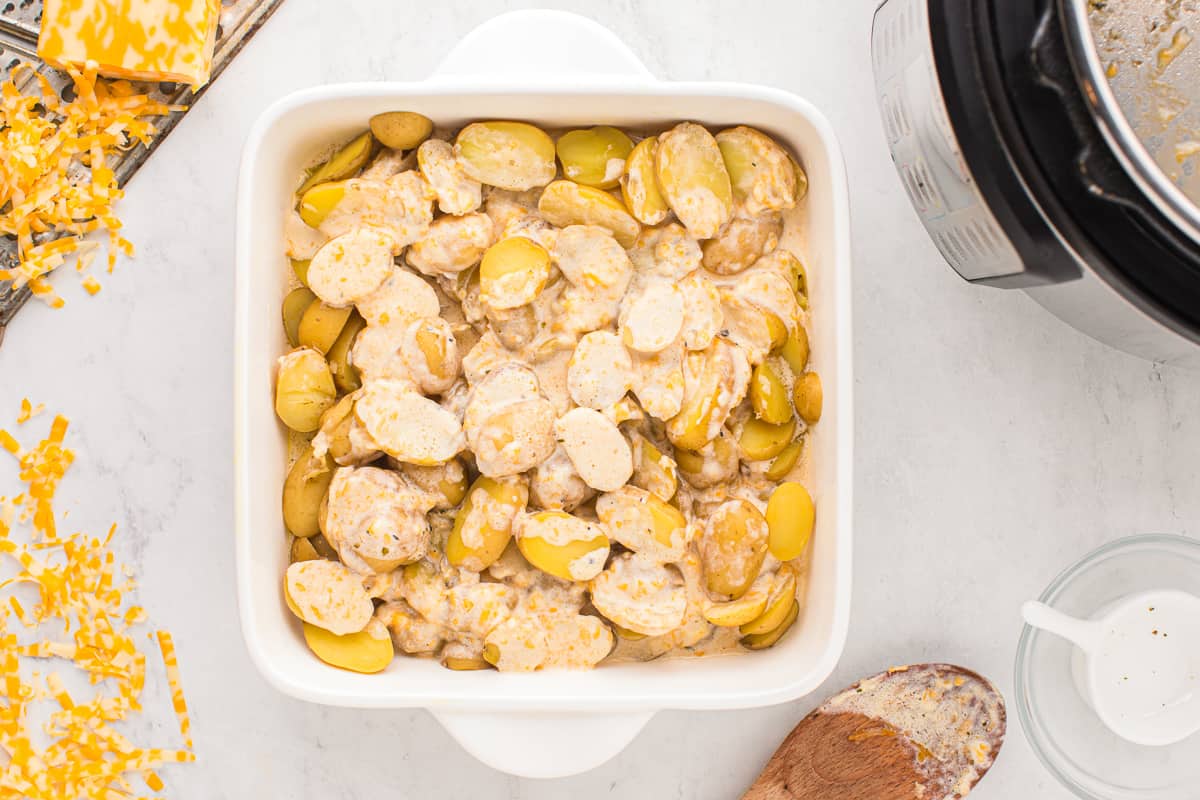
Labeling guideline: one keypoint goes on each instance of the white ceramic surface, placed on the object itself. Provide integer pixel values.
(477, 82)
(994, 443)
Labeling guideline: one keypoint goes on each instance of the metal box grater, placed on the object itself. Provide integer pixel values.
(20, 21)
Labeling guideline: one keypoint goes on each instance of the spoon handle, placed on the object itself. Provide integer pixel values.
(1084, 633)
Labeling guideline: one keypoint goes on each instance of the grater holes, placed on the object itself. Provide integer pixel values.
(920, 186)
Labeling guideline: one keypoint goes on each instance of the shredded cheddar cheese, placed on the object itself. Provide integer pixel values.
(56, 181)
(28, 411)
(81, 616)
(151, 40)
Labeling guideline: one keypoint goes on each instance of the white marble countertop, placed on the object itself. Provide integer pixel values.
(994, 444)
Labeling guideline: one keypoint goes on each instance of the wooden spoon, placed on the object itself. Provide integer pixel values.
(926, 732)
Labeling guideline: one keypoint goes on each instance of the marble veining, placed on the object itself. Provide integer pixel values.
(994, 446)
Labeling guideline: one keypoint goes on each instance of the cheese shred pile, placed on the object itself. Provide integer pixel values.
(81, 623)
(56, 178)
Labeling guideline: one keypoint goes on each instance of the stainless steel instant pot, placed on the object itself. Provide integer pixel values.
(1053, 146)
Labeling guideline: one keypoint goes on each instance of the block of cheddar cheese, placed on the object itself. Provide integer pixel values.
(156, 40)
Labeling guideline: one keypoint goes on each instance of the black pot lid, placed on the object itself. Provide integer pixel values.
(1138, 64)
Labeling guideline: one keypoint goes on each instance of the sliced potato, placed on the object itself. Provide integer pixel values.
(509, 155)
(639, 186)
(760, 440)
(716, 380)
(761, 172)
(741, 242)
(716, 462)
(329, 595)
(733, 548)
(460, 664)
(302, 550)
(565, 203)
(762, 641)
(317, 202)
(343, 164)
(594, 156)
(321, 325)
(300, 267)
(778, 330)
(644, 523)
(790, 518)
(295, 304)
(513, 272)
(401, 130)
(345, 376)
(457, 192)
(795, 350)
(599, 372)
(640, 595)
(653, 470)
(366, 651)
(596, 447)
(303, 490)
(748, 607)
(350, 267)
(483, 526)
(783, 595)
(651, 320)
(786, 461)
(693, 179)
(408, 426)
(561, 544)
(769, 396)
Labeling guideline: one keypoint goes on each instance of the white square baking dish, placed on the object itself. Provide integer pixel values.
(497, 717)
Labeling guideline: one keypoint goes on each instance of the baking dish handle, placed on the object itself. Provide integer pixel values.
(543, 745)
(538, 43)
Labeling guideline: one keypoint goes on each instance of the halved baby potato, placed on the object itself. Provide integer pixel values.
(401, 130)
(808, 397)
(304, 389)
